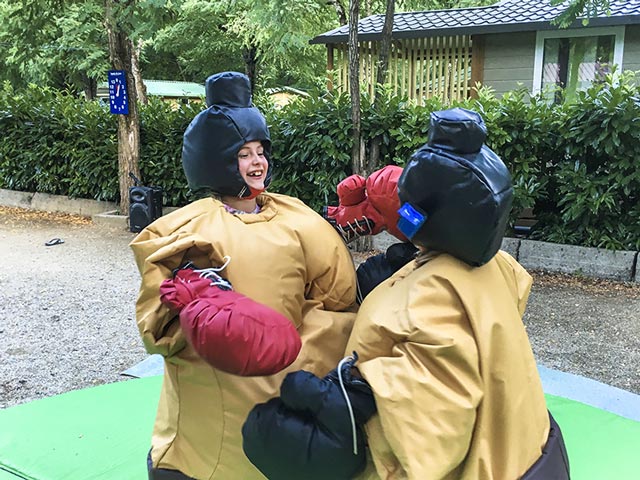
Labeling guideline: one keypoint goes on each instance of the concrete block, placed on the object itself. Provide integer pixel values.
(111, 219)
(511, 246)
(592, 262)
(77, 206)
(384, 240)
(13, 198)
(637, 266)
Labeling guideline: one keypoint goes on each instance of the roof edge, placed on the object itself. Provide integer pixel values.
(483, 29)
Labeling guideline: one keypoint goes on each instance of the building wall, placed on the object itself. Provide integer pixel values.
(509, 58)
(631, 57)
(508, 61)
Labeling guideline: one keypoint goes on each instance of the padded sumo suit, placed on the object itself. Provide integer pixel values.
(442, 342)
(286, 257)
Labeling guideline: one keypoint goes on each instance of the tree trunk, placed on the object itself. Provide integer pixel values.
(120, 51)
(357, 159)
(89, 87)
(357, 150)
(385, 44)
(342, 14)
(141, 89)
(381, 76)
(250, 56)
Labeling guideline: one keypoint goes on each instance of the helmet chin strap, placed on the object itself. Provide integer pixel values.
(254, 193)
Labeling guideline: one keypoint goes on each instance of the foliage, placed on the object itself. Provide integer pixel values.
(312, 140)
(598, 183)
(197, 56)
(63, 43)
(56, 144)
(311, 144)
(586, 9)
(280, 30)
(523, 131)
(574, 164)
(161, 128)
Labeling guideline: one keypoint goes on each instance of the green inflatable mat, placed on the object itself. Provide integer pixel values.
(104, 433)
(97, 433)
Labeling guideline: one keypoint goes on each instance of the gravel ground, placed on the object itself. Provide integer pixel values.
(67, 312)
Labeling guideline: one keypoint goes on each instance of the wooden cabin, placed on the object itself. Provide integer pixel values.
(510, 44)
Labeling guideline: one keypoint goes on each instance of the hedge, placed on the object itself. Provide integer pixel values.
(575, 164)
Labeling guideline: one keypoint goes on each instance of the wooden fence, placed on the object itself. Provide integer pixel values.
(419, 68)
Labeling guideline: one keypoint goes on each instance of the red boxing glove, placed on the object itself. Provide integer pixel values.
(228, 330)
(367, 207)
(188, 284)
(238, 335)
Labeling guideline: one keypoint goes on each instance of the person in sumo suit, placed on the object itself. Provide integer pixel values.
(440, 343)
(237, 288)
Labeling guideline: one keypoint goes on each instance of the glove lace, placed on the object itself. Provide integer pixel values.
(346, 398)
(359, 296)
(211, 273)
(352, 230)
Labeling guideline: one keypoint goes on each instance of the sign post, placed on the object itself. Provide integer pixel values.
(118, 96)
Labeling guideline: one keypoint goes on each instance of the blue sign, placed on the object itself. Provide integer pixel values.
(118, 97)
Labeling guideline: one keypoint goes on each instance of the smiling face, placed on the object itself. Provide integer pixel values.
(253, 164)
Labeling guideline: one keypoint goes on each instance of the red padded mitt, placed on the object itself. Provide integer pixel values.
(228, 330)
(238, 335)
(367, 207)
(382, 192)
(186, 285)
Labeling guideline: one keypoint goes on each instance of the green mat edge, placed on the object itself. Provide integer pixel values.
(141, 396)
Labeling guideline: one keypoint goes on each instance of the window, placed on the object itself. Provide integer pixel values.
(575, 59)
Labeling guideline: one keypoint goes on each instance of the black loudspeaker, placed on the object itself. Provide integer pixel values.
(145, 205)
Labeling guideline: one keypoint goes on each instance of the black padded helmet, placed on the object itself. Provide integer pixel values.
(214, 137)
(455, 192)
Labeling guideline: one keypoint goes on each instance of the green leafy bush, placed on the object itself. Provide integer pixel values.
(54, 143)
(311, 147)
(523, 132)
(162, 125)
(596, 194)
(574, 164)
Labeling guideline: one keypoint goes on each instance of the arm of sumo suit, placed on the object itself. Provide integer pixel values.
(157, 254)
(427, 393)
(367, 206)
(376, 269)
(311, 431)
(331, 276)
(230, 331)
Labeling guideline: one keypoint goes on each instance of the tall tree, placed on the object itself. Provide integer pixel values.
(120, 54)
(340, 11)
(126, 23)
(278, 32)
(51, 34)
(385, 43)
(358, 164)
(381, 76)
(61, 44)
(213, 49)
(357, 150)
(266, 39)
